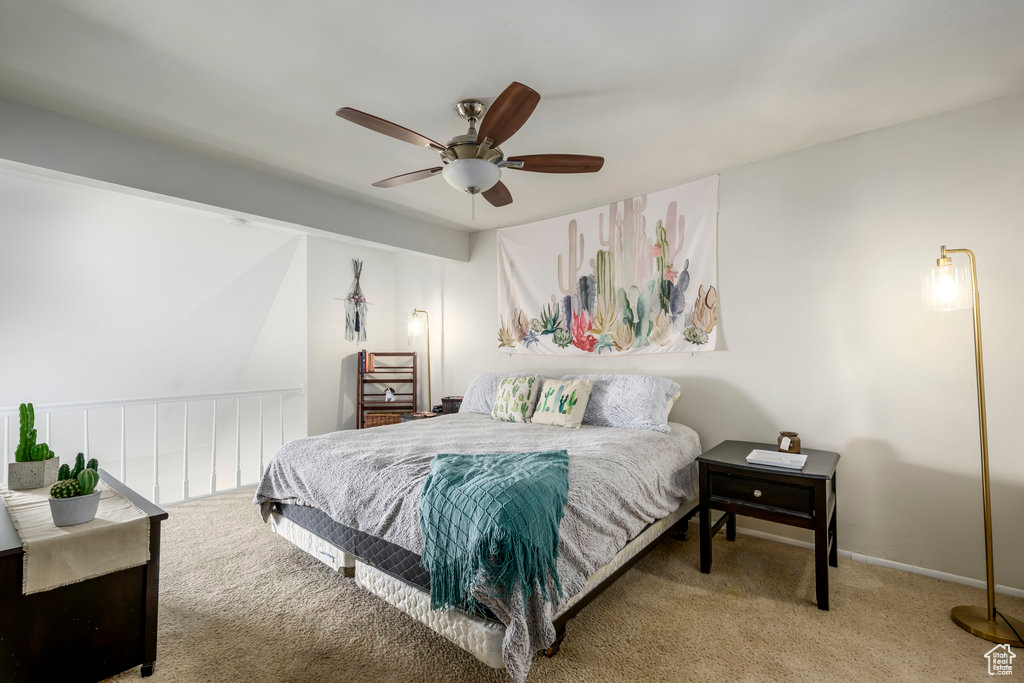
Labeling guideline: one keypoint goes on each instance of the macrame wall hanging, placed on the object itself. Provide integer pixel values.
(355, 307)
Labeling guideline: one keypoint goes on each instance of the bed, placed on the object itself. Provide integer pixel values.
(350, 499)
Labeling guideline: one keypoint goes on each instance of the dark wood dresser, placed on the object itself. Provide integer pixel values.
(86, 631)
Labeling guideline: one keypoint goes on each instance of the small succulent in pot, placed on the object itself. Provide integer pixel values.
(34, 463)
(66, 488)
(75, 500)
(81, 465)
(87, 480)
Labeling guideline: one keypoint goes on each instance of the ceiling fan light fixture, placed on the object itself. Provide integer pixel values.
(471, 175)
(473, 162)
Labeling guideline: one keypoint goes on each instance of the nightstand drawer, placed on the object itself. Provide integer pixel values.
(798, 499)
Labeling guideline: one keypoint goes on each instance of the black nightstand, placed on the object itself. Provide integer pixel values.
(803, 498)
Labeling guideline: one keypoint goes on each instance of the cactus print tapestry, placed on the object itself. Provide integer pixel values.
(637, 276)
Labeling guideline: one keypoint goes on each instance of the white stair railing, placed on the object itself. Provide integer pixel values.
(10, 415)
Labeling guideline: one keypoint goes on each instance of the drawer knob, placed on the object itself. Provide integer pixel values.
(757, 493)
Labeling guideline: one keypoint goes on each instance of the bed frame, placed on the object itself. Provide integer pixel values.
(350, 566)
(677, 531)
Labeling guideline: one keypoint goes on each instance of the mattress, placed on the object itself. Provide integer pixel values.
(393, 560)
(479, 635)
(325, 551)
(401, 564)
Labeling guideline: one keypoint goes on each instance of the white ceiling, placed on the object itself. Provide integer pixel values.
(665, 91)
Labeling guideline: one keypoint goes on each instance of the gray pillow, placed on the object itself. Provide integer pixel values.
(629, 401)
(479, 397)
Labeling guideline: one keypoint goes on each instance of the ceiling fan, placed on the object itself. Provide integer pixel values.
(473, 162)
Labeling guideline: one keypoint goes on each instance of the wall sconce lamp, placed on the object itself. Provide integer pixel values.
(414, 332)
(949, 287)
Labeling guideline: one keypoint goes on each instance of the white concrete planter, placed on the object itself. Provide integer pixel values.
(34, 474)
(77, 510)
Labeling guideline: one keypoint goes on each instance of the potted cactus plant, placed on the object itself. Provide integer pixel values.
(34, 464)
(75, 498)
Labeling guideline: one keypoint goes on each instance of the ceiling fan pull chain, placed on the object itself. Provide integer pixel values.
(472, 205)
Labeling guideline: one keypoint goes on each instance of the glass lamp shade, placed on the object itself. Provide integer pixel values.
(414, 326)
(471, 175)
(948, 288)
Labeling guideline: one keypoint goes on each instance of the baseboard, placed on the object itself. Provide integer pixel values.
(881, 562)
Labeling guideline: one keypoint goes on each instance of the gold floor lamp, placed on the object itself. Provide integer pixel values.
(414, 331)
(948, 288)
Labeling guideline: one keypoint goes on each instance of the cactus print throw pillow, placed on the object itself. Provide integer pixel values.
(562, 402)
(516, 398)
(479, 396)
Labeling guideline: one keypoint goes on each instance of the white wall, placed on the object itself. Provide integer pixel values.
(395, 283)
(820, 258)
(332, 359)
(42, 138)
(107, 296)
(110, 296)
(419, 284)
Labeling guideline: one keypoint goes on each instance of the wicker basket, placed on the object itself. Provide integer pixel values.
(381, 419)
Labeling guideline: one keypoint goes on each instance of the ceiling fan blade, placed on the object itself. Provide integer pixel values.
(498, 195)
(559, 163)
(387, 128)
(508, 113)
(408, 177)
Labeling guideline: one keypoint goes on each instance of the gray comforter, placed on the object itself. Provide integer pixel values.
(619, 482)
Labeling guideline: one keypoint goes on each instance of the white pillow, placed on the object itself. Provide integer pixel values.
(672, 402)
(630, 401)
(479, 397)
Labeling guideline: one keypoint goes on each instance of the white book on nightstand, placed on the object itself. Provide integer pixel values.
(792, 461)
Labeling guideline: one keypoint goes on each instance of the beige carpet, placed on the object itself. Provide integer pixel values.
(238, 603)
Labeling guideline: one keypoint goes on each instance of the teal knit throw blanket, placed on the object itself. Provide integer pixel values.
(498, 513)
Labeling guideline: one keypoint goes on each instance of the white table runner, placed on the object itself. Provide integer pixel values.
(118, 538)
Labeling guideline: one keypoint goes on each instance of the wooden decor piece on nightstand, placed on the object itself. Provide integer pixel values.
(378, 372)
(803, 498)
